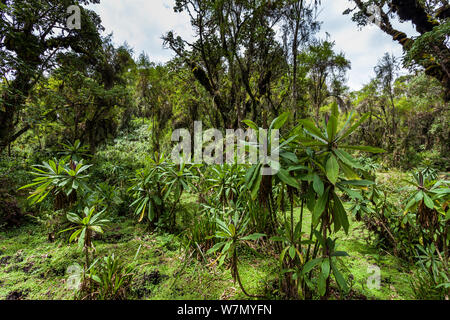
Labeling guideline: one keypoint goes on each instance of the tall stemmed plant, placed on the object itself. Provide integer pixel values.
(316, 166)
(334, 173)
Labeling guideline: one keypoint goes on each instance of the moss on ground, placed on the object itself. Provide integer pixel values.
(33, 268)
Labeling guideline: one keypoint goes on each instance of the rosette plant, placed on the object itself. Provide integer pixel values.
(230, 236)
(315, 164)
(85, 226)
(61, 179)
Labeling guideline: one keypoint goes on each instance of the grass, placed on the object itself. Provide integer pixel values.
(395, 273)
(36, 268)
(394, 284)
(33, 268)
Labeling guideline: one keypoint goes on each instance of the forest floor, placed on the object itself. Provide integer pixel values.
(33, 268)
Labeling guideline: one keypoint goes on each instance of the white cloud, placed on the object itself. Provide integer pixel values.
(141, 23)
(362, 47)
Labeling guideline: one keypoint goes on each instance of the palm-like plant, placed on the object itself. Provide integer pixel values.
(430, 194)
(328, 267)
(428, 171)
(147, 189)
(226, 182)
(153, 186)
(360, 207)
(112, 277)
(176, 181)
(315, 164)
(84, 228)
(108, 196)
(74, 151)
(330, 160)
(231, 235)
(431, 262)
(257, 180)
(58, 178)
(430, 202)
(255, 177)
(333, 169)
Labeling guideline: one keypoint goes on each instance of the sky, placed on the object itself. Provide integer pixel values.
(141, 23)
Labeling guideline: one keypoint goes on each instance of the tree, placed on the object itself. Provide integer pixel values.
(88, 100)
(235, 57)
(33, 34)
(152, 92)
(386, 71)
(421, 117)
(431, 20)
(299, 27)
(326, 72)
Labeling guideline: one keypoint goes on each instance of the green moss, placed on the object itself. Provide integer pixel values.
(394, 272)
(38, 267)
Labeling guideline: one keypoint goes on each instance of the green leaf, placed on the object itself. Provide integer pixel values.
(74, 235)
(73, 217)
(250, 174)
(347, 159)
(428, 202)
(254, 236)
(340, 213)
(348, 171)
(286, 178)
(313, 130)
(325, 268)
(292, 252)
(351, 193)
(256, 185)
(222, 259)
(339, 254)
(419, 196)
(222, 225)
(283, 253)
(142, 208)
(359, 183)
(322, 284)
(97, 229)
(310, 265)
(332, 127)
(339, 279)
(278, 122)
(297, 168)
(410, 204)
(335, 110)
(289, 156)
(31, 185)
(344, 134)
(81, 238)
(318, 184)
(251, 124)
(216, 247)
(232, 229)
(332, 168)
(226, 247)
(320, 206)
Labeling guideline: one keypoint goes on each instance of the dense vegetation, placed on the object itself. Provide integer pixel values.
(92, 205)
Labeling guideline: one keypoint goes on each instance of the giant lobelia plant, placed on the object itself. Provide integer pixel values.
(315, 168)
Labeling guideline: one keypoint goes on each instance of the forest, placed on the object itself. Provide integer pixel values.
(97, 201)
